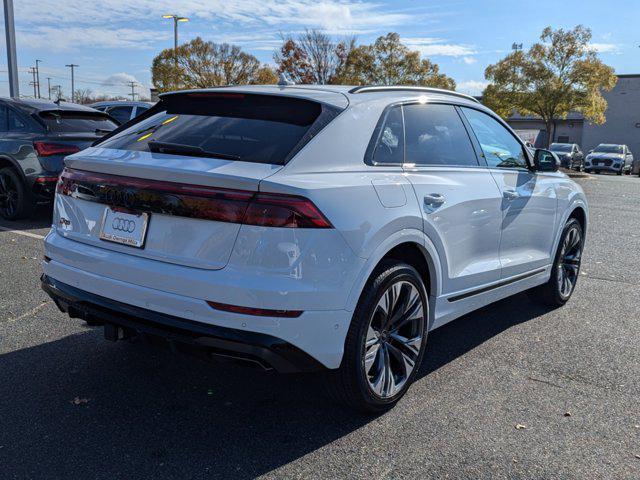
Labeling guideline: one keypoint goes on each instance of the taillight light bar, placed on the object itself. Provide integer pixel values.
(210, 203)
(46, 149)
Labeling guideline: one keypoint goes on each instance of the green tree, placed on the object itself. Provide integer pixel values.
(558, 75)
(200, 64)
(389, 62)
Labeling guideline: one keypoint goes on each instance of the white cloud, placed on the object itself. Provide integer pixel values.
(61, 39)
(331, 15)
(470, 60)
(433, 47)
(472, 87)
(605, 47)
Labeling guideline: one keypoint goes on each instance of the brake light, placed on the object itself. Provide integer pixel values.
(193, 201)
(46, 149)
(274, 210)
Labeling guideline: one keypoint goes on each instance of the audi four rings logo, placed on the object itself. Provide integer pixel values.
(123, 225)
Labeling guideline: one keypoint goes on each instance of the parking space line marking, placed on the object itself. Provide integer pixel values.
(26, 314)
(20, 232)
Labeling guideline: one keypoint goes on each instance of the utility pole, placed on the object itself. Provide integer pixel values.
(73, 85)
(49, 86)
(58, 89)
(38, 75)
(32, 71)
(12, 59)
(133, 86)
(516, 46)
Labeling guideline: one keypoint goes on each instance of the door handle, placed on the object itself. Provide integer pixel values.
(433, 201)
(510, 194)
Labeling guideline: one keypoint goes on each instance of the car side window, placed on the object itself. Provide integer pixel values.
(3, 118)
(120, 113)
(390, 144)
(14, 122)
(499, 146)
(435, 135)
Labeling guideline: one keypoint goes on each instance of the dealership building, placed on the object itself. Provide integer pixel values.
(621, 127)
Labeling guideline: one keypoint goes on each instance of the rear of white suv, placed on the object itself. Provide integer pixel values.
(150, 220)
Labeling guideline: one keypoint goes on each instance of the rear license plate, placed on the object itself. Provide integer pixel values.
(126, 228)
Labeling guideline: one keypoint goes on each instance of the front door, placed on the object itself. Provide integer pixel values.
(459, 199)
(529, 201)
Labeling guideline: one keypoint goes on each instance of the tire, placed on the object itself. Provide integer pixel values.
(16, 201)
(619, 172)
(368, 388)
(555, 292)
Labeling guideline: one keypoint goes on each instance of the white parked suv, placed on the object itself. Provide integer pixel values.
(310, 228)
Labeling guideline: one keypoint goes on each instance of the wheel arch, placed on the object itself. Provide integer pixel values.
(8, 162)
(410, 246)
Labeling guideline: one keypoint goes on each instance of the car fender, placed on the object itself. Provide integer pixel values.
(402, 236)
(576, 200)
(14, 164)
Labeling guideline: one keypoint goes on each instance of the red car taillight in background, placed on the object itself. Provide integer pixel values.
(46, 149)
(209, 203)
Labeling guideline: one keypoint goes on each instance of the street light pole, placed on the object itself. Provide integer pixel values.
(176, 19)
(49, 87)
(12, 59)
(73, 87)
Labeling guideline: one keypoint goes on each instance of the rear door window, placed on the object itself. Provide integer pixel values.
(61, 121)
(247, 127)
(3, 118)
(435, 135)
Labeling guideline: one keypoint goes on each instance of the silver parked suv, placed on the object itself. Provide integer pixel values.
(316, 228)
(609, 157)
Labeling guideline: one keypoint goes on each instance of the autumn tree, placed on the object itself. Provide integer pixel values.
(560, 74)
(200, 64)
(389, 62)
(312, 57)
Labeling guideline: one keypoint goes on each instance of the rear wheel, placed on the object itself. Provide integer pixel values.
(386, 340)
(566, 268)
(16, 201)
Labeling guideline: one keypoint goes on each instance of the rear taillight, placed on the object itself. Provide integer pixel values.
(274, 210)
(209, 203)
(46, 149)
(257, 312)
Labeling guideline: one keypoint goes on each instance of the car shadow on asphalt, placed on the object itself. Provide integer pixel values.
(82, 407)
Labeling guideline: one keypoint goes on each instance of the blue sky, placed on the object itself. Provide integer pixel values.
(114, 41)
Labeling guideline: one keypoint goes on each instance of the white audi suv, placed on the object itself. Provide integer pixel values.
(315, 228)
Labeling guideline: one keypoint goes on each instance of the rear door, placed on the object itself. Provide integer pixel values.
(529, 201)
(459, 198)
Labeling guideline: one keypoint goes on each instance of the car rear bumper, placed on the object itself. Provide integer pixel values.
(123, 320)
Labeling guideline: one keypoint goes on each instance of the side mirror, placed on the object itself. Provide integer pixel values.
(544, 161)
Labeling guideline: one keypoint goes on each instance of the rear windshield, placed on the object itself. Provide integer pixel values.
(561, 148)
(247, 127)
(70, 121)
(609, 149)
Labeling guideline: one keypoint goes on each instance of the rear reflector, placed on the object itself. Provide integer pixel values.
(193, 201)
(258, 312)
(46, 149)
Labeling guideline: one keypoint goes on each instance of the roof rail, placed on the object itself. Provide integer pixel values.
(383, 88)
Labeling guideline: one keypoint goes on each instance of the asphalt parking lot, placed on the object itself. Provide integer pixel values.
(73, 405)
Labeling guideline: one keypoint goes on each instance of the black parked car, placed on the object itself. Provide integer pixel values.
(569, 154)
(35, 136)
